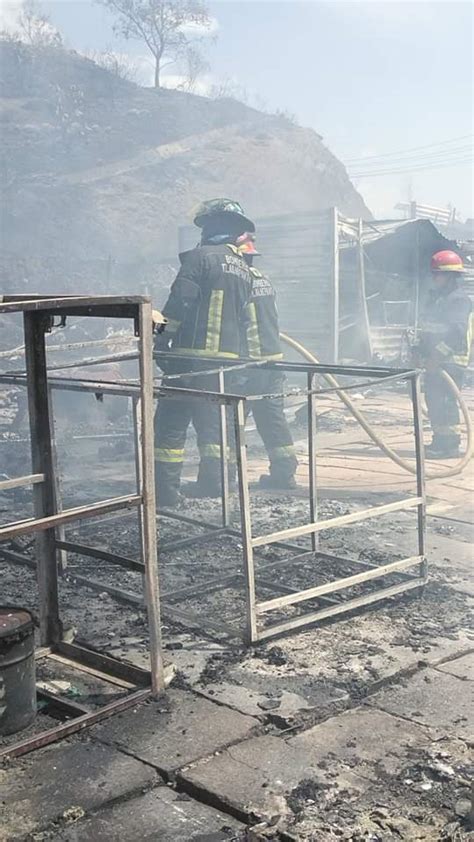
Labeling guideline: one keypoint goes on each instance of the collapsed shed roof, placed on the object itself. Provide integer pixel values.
(401, 247)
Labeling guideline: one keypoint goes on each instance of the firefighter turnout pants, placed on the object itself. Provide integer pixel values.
(442, 406)
(271, 423)
(172, 419)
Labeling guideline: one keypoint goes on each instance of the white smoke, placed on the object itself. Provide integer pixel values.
(9, 12)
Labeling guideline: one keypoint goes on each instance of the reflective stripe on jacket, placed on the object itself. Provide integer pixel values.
(207, 304)
(450, 325)
(263, 332)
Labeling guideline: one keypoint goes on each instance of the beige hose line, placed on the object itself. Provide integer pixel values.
(449, 472)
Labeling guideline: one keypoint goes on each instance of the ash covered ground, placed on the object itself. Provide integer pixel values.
(297, 682)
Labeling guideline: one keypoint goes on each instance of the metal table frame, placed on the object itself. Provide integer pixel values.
(252, 545)
(39, 313)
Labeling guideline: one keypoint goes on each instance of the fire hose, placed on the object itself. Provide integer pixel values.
(359, 416)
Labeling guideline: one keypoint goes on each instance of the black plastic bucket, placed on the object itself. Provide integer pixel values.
(17, 669)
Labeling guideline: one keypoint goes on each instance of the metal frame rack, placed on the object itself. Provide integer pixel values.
(253, 545)
(39, 313)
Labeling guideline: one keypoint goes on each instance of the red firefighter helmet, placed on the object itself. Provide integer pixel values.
(246, 244)
(446, 261)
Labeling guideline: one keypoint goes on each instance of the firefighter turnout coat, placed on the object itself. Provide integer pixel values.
(263, 343)
(445, 344)
(447, 333)
(263, 332)
(206, 308)
(207, 317)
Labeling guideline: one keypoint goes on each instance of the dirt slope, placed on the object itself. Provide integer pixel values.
(95, 168)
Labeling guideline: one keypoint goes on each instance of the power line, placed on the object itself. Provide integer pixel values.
(442, 158)
(437, 148)
(413, 166)
(419, 156)
(411, 149)
(432, 166)
(432, 158)
(460, 163)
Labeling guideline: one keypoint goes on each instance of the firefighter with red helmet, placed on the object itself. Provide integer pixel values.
(206, 314)
(445, 343)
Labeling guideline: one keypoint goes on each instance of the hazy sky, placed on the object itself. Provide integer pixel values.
(371, 77)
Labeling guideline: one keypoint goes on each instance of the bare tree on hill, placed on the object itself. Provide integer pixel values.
(195, 66)
(118, 64)
(167, 27)
(35, 27)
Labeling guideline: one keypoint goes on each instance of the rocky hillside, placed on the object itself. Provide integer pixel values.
(98, 172)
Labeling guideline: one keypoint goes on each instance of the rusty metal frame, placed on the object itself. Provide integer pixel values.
(254, 609)
(251, 544)
(39, 313)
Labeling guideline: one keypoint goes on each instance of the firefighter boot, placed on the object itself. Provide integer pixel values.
(281, 477)
(167, 482)
(444, 447)
(208, 483)
(433, 446)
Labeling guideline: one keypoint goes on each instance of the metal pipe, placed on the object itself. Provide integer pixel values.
(420, 473)
(245, 520)
(342, 608)
(102, 555)
(224, 462)
(147, 498)
(60, 532)
(74, 725)
(339, 585)
(342, 520)
(313, 486)
(137, 437)
(25, 527)
(44, 493)
(334, 266)
(20, 482)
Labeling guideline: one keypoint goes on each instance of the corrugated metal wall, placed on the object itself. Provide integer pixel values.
(299, 253)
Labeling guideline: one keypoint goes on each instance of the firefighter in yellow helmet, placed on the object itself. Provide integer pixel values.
(206, 314)
(445, 343)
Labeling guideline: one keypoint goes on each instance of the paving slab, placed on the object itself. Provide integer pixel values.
(176, 730)
(255, 777)
(254, 703)
(444, 648)
(460, 667)
(349, 753)
(454, 558)
(460, 517)
(322, 664)
(38, 790)
(432, 698)
(160, 815)
(366, 740)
